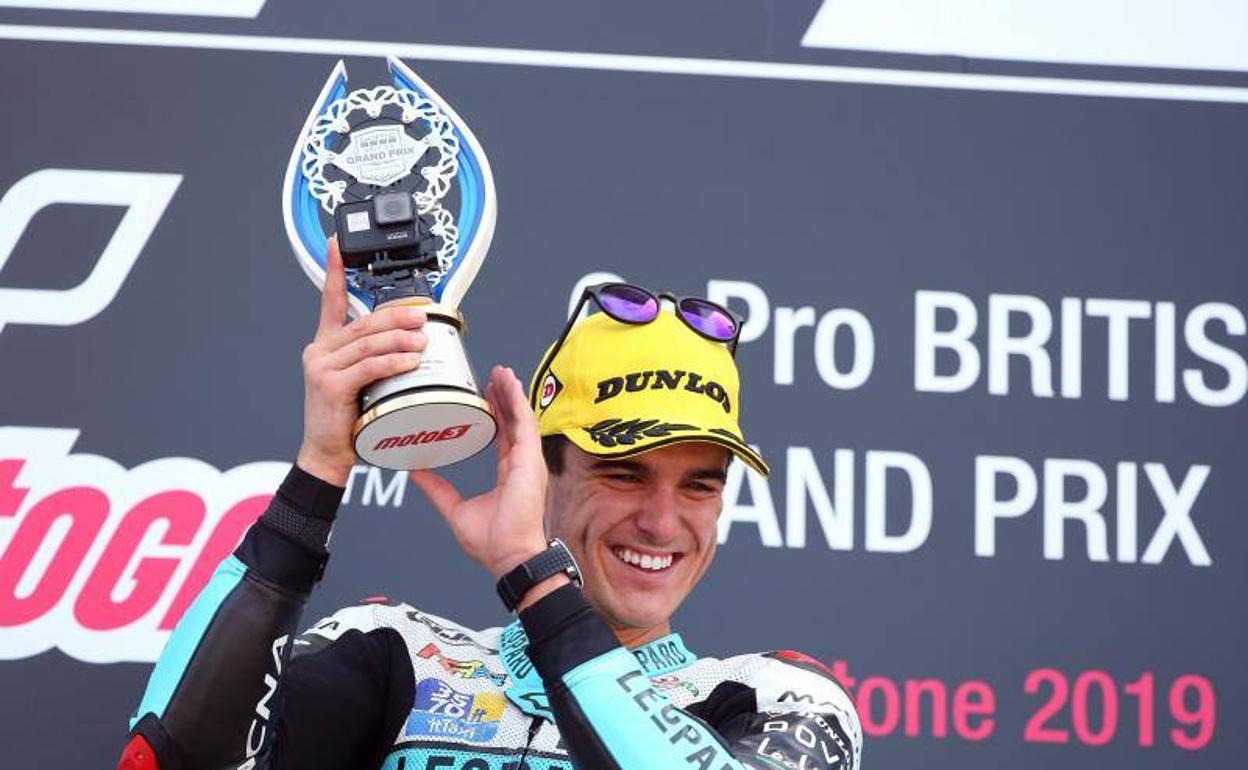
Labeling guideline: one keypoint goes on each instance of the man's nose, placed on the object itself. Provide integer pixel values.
(659, 517)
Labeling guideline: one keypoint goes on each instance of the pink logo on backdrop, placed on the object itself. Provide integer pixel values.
(100, 561)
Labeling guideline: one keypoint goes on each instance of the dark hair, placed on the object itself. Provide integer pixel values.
(553, 452)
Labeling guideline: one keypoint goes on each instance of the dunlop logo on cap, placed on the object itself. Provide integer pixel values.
(662, 379)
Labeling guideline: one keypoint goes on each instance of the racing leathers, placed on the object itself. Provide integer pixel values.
(384, 685)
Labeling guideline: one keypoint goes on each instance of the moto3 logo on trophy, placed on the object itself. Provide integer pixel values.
(423, 437)
(395, 174)
(145, 197)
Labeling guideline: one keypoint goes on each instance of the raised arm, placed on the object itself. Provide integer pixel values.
(212, 699)
(209, 701)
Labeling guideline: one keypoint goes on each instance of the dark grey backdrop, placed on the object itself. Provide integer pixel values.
(824, 194)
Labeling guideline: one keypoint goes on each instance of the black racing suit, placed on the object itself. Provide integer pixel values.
(385, 685)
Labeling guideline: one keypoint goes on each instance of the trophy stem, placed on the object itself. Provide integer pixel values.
(433, 415)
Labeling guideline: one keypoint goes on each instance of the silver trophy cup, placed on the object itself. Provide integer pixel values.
(402, 181)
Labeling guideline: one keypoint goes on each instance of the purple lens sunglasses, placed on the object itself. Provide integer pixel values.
(635, 305)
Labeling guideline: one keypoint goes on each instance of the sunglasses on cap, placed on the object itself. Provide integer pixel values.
(635, 305)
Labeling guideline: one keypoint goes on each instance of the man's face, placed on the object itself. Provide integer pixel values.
(643, 530)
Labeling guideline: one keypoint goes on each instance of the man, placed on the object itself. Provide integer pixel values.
(637, 412)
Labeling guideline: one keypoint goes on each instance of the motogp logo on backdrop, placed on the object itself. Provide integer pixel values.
(145, 196)
(101, 561)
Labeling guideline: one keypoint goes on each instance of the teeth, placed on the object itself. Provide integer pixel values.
(645, 561)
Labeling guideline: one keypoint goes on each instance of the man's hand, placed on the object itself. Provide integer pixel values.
(342, 360)
(503, 527)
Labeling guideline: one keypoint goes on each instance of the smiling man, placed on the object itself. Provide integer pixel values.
(643, 530)
(638, 416)
(603, 519)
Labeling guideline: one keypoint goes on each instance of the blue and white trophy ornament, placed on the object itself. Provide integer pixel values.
(401, 180)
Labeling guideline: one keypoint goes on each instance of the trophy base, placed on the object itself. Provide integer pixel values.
(424, 429)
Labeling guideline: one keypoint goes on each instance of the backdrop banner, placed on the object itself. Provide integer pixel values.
(995, 348)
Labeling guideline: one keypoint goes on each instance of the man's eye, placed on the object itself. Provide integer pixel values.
(702, 487)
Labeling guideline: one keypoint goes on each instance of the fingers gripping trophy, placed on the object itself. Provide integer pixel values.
(401, 182)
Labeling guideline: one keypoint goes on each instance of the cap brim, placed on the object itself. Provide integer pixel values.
(582, 440)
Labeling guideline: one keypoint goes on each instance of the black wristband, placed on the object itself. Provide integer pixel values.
(554, 560)
(303, 509)
(309, 493)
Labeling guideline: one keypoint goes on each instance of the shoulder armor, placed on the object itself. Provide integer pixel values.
(791, 682)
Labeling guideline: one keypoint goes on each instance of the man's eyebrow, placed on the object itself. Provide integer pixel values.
(629, 466)
(618, 465)
(716, 474)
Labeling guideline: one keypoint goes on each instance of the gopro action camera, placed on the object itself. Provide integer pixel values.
(384, 234)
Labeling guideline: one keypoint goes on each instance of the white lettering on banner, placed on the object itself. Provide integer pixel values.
(1195, 34)
(1085, 507)
(247, 9)
(928, 340)
(1072, 348)
(1117, 314)
(145, 196)
(1221, 381)
(825, 348)
(989, 507)
(1002, 345)
(1126, 494)
(1074, 491)
(376, 490)
(948, 357)
(1163, 353)
(1194, 333)
(1176, 506)
(919, 480)
(788, 321)
(803, 482)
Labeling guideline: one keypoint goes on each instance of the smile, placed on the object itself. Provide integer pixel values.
(651, 563)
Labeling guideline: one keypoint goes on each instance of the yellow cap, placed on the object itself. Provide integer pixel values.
(617, 390)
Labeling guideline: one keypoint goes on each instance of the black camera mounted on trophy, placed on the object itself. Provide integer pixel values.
(384, 237)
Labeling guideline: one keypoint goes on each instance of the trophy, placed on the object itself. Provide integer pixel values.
(399, 178)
